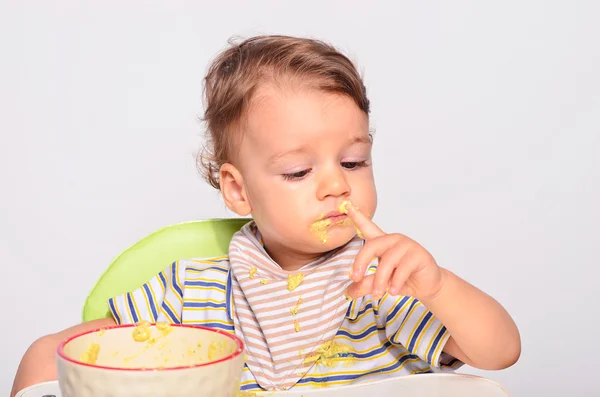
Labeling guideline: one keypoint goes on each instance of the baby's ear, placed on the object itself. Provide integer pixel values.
(232, 189)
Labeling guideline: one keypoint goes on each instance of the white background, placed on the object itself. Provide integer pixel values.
(487, 147)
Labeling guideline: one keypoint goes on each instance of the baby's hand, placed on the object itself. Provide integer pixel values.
(405, 267)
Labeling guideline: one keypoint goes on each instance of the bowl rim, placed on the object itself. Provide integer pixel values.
(239, 343)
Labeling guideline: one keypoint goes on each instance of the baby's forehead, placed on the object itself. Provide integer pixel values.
(299, 113)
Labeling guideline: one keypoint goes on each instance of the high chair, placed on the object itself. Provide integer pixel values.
(153, 253)
(137, 264)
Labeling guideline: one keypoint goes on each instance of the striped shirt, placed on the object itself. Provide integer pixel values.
(390, 337)
(288, 319)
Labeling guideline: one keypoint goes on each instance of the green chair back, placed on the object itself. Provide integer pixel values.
(152, 254)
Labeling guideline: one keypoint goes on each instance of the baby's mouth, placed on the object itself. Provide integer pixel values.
(334, 218)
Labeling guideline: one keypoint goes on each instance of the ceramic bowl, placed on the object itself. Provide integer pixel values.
(153, 360)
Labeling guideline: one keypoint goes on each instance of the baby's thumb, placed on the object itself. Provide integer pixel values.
(361, 288)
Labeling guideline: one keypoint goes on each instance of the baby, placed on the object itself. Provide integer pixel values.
(319, 294)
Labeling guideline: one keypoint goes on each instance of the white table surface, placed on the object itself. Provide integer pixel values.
(429, 385)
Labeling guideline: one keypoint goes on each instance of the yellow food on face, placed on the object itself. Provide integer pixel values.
(319, 229)
(343, 207)
(294, 281)
(345, 222)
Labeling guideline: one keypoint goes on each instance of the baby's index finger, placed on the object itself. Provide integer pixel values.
(363, 223)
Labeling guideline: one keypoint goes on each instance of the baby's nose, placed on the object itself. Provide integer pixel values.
(333, 184)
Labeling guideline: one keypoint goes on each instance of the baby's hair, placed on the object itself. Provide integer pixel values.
(236, 73)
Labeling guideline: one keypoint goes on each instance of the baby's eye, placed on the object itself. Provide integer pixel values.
(296, 175)
(350, 165)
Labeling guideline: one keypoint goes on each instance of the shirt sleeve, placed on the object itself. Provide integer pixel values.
(160, 299)
(408, 323)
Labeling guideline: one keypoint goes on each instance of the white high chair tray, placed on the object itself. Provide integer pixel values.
(429, 385)
(46, 389)
(425, 385)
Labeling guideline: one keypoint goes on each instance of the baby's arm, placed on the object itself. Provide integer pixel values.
(39, 362)
(483, 334)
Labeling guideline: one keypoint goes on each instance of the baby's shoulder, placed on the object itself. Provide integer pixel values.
(212, 267)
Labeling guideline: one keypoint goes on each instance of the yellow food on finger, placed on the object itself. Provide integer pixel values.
(343, 207)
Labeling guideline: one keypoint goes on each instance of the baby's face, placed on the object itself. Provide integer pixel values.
(302, 153)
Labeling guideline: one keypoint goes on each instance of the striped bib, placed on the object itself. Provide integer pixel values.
(284, 317)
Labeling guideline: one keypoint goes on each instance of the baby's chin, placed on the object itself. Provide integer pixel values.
(315, 240)
(332, 239)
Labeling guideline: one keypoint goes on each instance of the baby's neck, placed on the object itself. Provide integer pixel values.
(290, 260)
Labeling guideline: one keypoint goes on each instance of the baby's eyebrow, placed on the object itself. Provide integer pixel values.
(364, 139)
(279, 156)
(368, 139)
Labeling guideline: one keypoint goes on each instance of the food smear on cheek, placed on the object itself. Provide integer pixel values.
(319, 229)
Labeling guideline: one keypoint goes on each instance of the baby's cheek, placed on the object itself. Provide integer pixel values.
(278, 218)
(370, 200)
(285, 213)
